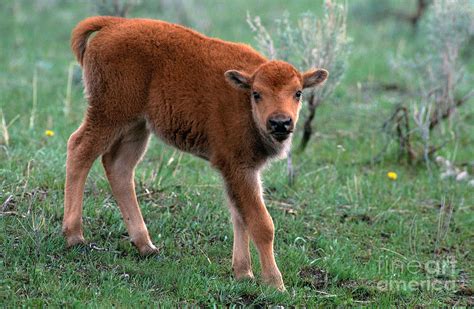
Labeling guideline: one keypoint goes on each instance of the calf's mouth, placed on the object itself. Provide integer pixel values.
(281, 136)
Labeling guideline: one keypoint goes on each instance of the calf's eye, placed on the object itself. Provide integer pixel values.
(298, 94)
(256, 96)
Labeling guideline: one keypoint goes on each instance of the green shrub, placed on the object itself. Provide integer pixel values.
(439, 78)
(314, 42)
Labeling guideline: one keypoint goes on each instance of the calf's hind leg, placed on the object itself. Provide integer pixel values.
(119, 164)
(85, 145)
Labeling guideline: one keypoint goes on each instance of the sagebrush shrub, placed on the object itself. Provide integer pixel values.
(439, 78)
(313, 42)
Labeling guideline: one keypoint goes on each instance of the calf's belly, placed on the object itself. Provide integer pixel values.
(185, 136)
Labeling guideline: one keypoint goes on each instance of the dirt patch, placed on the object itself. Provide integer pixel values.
(361, 290)
(463, 297)
(248, 299)
(363, 293)
(465, 291)
(356, 218)
(315, 277)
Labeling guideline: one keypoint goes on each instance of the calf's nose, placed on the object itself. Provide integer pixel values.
(280, 124)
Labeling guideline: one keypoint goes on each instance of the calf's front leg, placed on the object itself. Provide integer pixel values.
(241, 262)
(251, 216)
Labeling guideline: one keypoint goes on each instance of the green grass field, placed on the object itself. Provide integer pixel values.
(345, 233)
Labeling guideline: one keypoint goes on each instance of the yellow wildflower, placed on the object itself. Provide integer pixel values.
(392, 175)
(49, 133)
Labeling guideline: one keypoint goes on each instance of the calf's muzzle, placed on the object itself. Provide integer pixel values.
(280, 126)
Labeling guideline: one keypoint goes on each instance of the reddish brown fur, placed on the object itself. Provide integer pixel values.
(145, 76)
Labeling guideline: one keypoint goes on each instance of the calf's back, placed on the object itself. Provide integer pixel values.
(174, 78)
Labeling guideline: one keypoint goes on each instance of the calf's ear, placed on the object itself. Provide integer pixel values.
(314, 77)
(236, 79)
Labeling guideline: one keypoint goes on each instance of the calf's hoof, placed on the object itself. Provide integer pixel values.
(75, 240)
(147, 249)
(276, 282)
(243, 275)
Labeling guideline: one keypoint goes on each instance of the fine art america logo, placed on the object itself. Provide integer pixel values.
(409, 275)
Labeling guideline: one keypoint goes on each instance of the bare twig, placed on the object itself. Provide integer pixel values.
(413, 19)
(5, 204)
(291, 172)
(313, 103)
(34, 99)
(404, 139)
(436, 119)
(12, 213)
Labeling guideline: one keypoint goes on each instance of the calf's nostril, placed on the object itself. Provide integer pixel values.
(287, 124)
(273, 123)
(280, 124)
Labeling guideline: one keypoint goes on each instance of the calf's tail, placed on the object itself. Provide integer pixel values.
(85, 28)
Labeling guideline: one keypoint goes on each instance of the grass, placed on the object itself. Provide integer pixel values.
(345, 233)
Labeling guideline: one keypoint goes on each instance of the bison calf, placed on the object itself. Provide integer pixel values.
(221, 101)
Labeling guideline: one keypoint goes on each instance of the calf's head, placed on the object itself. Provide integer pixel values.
(275, 90)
